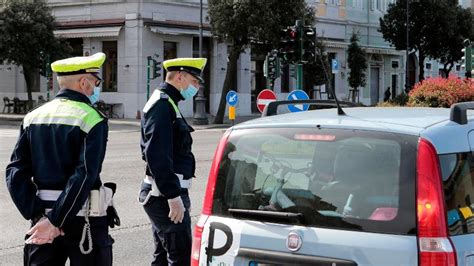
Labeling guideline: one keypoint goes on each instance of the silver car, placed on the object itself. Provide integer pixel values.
(376, 186)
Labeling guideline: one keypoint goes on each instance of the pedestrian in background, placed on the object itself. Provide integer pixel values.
(54, 173)
(387, 95)
(170, 165)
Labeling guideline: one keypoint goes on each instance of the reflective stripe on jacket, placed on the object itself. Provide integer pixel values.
(61, 147)
(166, 141)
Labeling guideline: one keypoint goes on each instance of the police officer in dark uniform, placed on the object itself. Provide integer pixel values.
(53, 176)
(170, 165)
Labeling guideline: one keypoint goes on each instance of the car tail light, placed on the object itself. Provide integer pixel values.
(196, 249)
(434, 246)
(211, 182)
(208, 199)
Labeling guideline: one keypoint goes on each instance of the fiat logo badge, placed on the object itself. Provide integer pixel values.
(294, 241)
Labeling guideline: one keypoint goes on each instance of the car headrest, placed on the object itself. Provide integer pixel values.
(353, 162)
(362, 162)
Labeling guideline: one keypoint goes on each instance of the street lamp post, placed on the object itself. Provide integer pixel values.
(407, 80)
(200, 117)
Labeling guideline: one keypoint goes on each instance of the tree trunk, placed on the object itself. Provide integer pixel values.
(229, 77)
(32, 82)
(421, 65)
(353, 98)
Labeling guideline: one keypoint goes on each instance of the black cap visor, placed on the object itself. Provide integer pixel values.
(195, 72)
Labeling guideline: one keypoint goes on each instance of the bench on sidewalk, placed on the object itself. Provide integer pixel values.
(107, 108)
(20, 106)
(7, 104)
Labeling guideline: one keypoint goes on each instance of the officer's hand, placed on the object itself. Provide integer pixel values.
(176, 210)
(43, 232)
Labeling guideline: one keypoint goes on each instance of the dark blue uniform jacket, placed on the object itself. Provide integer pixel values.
(57, 156)
(166, 144)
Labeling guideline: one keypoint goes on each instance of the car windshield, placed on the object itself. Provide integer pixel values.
(346, 179)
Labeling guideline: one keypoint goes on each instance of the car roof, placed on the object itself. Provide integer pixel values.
(426, 122)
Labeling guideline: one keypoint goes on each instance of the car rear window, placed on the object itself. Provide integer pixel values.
(458, 180)
(332, 178)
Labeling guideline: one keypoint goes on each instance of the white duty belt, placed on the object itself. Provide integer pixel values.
(185, 183)
(95, 206)
(99, 199)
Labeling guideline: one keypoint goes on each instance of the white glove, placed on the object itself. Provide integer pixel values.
(176, 210)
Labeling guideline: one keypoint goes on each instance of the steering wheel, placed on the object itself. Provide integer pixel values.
(330, 185)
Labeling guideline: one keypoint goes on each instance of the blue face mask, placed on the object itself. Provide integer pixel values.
(95, 96)
(189, 92)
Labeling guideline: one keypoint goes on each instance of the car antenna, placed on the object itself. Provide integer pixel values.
(339, 108)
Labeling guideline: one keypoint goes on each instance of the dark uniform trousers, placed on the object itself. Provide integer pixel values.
(67, 246)
(170, 238)
(166, 147)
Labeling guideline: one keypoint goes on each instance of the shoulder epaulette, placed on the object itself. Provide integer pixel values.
(164, 96)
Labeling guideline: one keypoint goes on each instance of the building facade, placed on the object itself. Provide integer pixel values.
(337, 20)
(129, 32)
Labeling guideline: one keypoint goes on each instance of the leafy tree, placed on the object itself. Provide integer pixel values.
(357, 62)
(240, 23)
(27, 39)
(460, 28)
(429, 23)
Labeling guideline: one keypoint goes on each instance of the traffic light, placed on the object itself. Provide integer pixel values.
(45, 70)
(309, 39)
(468, 58)
(155, 69)
(289, 45)
(272, 68)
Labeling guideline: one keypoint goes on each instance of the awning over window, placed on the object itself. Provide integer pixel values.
(381, 51)
(179, 31)
(88, 32)
(332, 44)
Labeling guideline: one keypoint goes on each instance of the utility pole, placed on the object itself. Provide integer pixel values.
(200, 117)
(407, 80)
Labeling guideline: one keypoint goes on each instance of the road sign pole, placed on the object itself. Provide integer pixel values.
(299, 76)
(299, 64)
(232, 114)
(48, 78)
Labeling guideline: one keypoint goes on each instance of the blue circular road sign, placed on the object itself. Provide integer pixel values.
(298, 95)
(232, 98)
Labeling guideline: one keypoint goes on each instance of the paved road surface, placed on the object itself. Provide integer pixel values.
(123, 165)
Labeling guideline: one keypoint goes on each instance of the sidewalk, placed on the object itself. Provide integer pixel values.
(15, 119)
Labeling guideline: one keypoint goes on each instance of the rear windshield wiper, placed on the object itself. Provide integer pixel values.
(286, 216)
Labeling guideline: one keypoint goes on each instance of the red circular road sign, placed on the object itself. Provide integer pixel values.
(265, 97)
